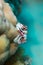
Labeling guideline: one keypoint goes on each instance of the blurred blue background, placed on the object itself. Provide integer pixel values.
(32, 15)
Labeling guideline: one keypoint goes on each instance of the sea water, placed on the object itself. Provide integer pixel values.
(32, 16)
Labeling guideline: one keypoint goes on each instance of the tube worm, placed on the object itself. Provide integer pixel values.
(5, 24)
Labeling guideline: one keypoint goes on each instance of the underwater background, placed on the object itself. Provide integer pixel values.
(31, 14)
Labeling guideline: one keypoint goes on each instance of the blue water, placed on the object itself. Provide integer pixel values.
(32, 16)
